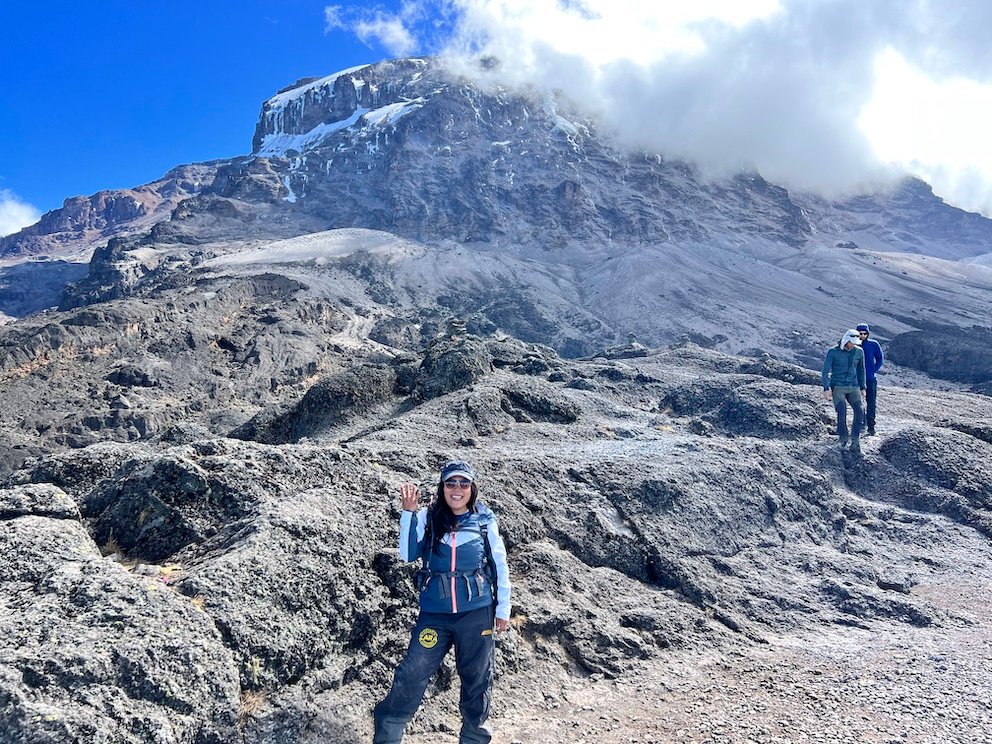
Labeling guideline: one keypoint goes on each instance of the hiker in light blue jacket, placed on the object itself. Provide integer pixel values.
(464, 585)
(844, 382)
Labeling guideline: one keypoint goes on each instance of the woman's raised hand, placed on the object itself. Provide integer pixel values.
(409, 497)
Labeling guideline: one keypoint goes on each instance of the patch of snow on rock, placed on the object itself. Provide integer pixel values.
(322, 246)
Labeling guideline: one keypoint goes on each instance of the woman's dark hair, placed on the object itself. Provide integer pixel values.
(441, 519)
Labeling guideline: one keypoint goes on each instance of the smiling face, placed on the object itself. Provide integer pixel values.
(457, 494)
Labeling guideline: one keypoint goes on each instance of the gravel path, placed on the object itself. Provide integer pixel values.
(891, 684)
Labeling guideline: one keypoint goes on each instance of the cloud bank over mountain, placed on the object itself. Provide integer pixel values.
(15, 213)
(834, 97)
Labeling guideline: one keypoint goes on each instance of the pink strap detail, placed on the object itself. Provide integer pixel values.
(454, 598)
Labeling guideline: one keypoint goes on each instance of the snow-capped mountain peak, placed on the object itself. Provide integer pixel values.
(303, 117)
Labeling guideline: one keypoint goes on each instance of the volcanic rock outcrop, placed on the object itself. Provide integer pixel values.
(642, 514)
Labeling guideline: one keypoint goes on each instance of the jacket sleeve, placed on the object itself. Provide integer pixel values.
(879, 357)
(412, 529)
(498, 550)
(861, 372)
(826, 370)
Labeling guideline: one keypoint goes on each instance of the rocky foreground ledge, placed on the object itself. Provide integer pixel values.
(671, 517)
(92, 649)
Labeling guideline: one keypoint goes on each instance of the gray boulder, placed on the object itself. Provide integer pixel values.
(942, 471)
(332, 401)
(748, 406)
(451, 364)
(958, 354)
(90, 651)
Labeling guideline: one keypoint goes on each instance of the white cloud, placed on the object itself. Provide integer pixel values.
(767, 85)
(806, 92)
(333, 18)
(934, 127)
(599, 31)
(394, 32)
(391, 33)
(14, 213)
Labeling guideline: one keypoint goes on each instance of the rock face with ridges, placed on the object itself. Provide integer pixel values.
(438, 157)
(452, 364)
(343, 396)
(550, 233)
(910, 218)
(29, 287)
(131, 369)
(302, 110)
(84, 222)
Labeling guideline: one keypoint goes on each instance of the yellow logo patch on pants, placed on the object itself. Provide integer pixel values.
(428, 638)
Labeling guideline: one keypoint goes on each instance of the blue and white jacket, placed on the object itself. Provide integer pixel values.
(458, 578)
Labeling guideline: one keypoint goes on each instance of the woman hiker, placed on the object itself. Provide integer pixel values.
(464, 586)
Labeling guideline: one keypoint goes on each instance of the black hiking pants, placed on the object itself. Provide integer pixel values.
(471, 633)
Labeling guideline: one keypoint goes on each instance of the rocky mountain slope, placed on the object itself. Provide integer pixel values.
(562, 237)
(685, 499)
(39, 261)
(82, 222)
(200, 449)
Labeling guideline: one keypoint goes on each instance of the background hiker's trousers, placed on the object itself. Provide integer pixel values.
(471, 633)
(871, 397)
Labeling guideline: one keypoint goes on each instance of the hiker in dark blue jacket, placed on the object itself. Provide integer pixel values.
(464, 585)
(844, 382)
(873, 362)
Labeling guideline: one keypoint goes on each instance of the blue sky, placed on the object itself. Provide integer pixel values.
(112, 93)
(832, 96)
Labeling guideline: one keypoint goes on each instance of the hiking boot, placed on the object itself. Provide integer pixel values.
(856, 446)
(871, 431)
(843, 442)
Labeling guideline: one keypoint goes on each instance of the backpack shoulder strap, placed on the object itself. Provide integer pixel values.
(428, 546)
(488, 562)
(485, 519)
